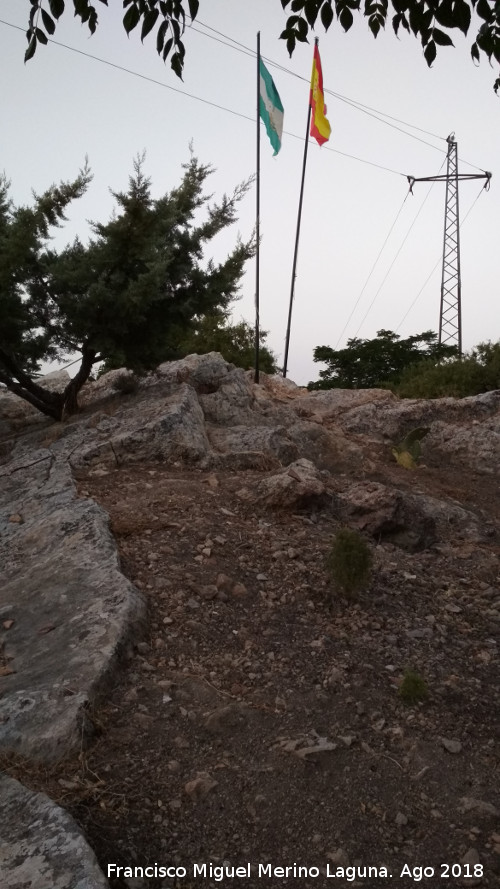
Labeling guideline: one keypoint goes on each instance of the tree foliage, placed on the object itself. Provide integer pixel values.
(366, 364)
(129, 296)
(235, 342)
(431, 22)
(478, 371)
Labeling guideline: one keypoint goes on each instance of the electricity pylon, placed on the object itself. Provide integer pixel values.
(450, 313)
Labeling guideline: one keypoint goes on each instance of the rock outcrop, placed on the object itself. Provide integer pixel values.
(41, 847)
(67, 613)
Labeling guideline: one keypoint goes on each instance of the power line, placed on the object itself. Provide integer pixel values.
(394, 260)
(137, 74)
(240, 47)
(199, 99)
(371, 270)
(359, 106)
(440, 259)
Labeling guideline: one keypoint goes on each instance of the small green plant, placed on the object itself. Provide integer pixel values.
(349, 562)
(413, 688)
(408, 452)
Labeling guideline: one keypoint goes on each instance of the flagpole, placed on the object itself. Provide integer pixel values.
(257, 222)
(297, 237)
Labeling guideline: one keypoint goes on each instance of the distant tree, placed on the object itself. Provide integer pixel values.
(478, 371)
(129, 296)
(366, 364)
(235, 342)
(429, 20)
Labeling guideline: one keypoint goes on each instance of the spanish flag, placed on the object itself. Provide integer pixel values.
(320, 127)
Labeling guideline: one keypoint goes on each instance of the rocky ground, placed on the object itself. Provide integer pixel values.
(261, 721)
(261, 718)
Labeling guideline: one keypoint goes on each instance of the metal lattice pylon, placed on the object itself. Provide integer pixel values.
(450, 314)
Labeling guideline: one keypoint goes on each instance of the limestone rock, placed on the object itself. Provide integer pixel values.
(41, 846)
(55, 381)
(73, 610)
(478, 806)
(386, 513)
(299, 484)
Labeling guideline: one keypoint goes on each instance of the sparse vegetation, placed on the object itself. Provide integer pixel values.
(349, 562)
(126, 383)
(477, 371)
(413, 688)
(408, 452)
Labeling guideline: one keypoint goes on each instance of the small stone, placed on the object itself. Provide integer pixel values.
(334, 677)
(143, 648)
(451, 745)
(16, 519)
(471, 858)
(223, 582)
(239, 590)
(401, 819)
(68, 785)
(420, 633)
(470, 804)
(338, 857)
(209, 591)
(200, 786)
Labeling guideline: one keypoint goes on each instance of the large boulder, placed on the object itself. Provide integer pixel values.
(67, 613)
(41, 846)
(298, 485)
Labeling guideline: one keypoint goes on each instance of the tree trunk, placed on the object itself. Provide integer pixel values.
(53, 404)
(69, 403)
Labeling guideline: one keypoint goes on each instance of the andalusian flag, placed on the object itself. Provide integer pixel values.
(270, 107)
(320, 127)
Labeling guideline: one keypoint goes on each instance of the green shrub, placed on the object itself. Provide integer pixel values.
(413, 687)
(476, 372)
(349, 562)
(127, 383)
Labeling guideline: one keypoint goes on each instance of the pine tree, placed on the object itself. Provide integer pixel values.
(129, 296)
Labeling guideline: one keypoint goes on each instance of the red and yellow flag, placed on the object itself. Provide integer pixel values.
(320, 126)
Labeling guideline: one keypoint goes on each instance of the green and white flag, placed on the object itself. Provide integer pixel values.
(270, 107)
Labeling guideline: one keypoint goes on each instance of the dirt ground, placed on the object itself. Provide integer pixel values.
(260, 720)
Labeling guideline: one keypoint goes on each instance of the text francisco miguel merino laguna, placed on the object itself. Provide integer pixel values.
(225, 871)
